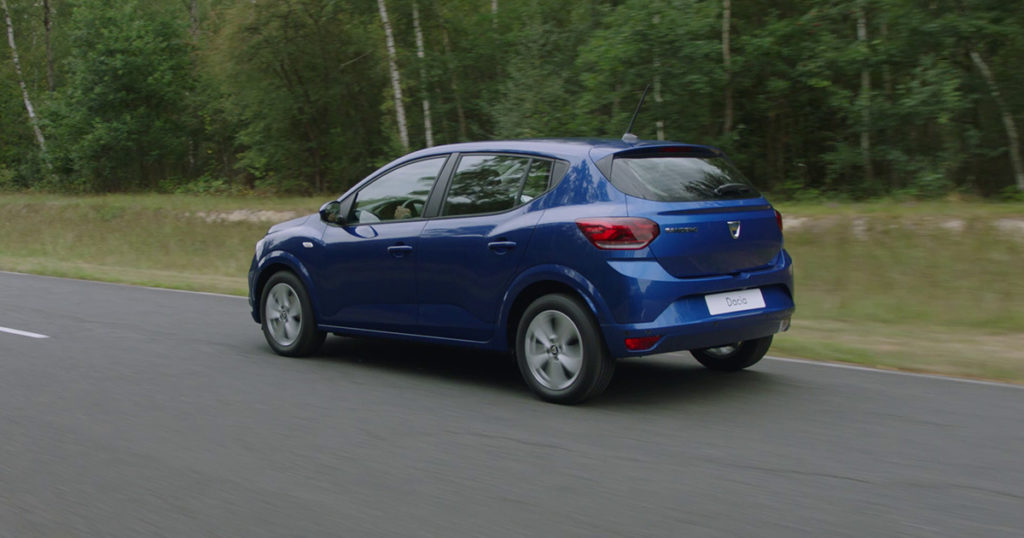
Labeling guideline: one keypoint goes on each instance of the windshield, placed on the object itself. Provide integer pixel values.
(680, 179)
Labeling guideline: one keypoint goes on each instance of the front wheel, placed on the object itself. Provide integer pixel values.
(560, 351)
(287, 317)
(733, 357)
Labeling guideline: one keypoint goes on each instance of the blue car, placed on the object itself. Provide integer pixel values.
(569, 254)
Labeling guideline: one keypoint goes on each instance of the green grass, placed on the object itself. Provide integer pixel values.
(936, 286)
(185, 242)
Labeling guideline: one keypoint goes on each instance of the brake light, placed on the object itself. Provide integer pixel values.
(778, 219)
(619, 233)
(641, 343)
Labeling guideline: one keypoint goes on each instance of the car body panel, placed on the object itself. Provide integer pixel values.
(366, 275)
(459, 280)
(483, 249)
(696, 239)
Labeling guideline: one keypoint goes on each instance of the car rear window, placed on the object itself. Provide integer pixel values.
(680, 179)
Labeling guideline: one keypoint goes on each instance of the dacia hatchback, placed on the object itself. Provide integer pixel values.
(569, 254)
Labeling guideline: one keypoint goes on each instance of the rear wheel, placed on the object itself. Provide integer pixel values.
(733, 357)
(560, 351)
(287, 317)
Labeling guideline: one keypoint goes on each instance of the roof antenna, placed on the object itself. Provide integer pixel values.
(629, 137)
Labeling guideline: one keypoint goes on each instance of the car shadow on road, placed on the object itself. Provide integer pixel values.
(676, 377)
(478, 367)
(643, 381)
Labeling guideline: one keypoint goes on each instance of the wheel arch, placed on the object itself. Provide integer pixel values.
(274, 263)
(537, 282)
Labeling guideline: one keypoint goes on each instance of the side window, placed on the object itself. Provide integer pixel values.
(485, 184)
(399, 194)
(537, 180)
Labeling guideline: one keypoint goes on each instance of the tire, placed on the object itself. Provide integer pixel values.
(286, 316)
(733, 357)
(560, 350)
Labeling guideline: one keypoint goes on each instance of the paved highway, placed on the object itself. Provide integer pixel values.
(156, 413)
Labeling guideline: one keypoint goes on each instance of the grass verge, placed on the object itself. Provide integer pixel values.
(933, 287)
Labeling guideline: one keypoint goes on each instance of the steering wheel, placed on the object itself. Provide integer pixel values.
(414, 206)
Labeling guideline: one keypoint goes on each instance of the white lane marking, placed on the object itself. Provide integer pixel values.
(22, 333)
(190, 292)
(896, 372)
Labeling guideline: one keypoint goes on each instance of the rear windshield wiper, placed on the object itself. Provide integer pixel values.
(733, 188)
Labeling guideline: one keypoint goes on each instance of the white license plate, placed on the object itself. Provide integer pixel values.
(734, 301)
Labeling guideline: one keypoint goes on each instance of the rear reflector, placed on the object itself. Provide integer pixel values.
(641, 343)
(618, 233)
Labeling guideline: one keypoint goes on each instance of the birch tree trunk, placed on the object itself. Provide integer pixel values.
(193, 19)
(396, 78)
(50, 84)
(727, 64)
(865, 98)
(1009, 124)
(660, 122)
(33, 120)
(427, 125)
(459, 112)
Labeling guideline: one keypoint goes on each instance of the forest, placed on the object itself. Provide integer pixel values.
(813, 99)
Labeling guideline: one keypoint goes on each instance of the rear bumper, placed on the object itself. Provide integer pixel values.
(685, 322)
(703, 331)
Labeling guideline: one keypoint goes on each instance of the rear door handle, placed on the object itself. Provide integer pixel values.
(399, 251)
(501, 247)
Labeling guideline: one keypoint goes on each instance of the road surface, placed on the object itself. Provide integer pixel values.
(156, 413)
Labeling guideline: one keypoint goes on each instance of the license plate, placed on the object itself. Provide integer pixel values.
(734, 301)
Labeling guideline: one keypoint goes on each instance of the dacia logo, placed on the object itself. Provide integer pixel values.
(734, 228)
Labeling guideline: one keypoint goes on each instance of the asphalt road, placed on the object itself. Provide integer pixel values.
(156, 413)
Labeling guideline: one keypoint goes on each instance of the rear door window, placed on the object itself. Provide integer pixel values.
(680, 179)
(495, 183)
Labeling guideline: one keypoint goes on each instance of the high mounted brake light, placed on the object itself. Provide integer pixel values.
(618, 233)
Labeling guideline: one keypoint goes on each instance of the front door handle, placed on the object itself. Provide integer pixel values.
(501, 247)
(399, 251)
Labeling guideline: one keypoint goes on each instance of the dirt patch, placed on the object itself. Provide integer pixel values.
(246, 215)
(862, 227)
(1013, 227)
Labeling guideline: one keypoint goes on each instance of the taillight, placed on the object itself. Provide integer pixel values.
(619, 233)
(778, 219)
(641, 343)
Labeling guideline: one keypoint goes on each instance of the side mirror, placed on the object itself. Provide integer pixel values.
(337, 212)
(331, 213)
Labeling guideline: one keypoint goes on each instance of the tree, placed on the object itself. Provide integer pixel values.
(396, 76)
(421, 55)
(727, 115)
(300, 84)
(33, 120)
(118, 121)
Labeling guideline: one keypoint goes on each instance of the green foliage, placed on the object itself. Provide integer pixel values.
(294, 95)
(116, 125)
(7, 180)
(302, 85)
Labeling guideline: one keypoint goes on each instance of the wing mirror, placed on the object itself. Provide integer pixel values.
(336, 212)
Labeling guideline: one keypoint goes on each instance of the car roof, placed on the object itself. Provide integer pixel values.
(565, 148)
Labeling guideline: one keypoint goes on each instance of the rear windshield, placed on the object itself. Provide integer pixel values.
(680, 179)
